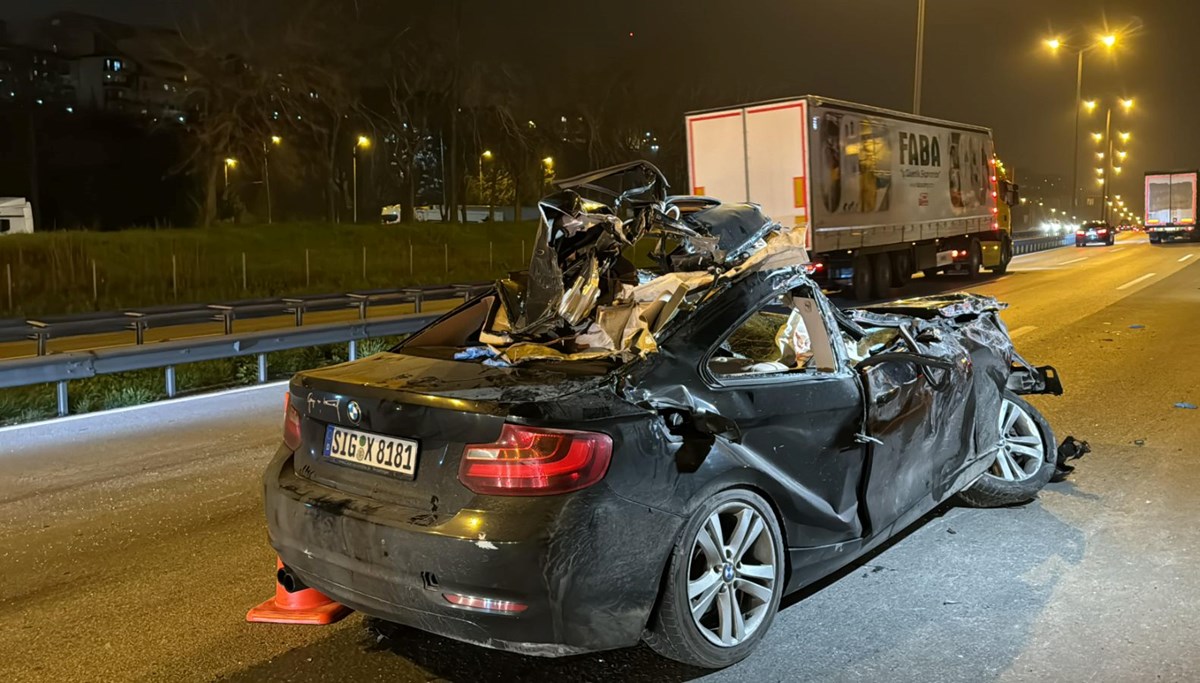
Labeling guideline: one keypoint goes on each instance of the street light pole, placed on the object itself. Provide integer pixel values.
(362, 143)
(275, 140)
(1107, 163)
(1075, 159)
(920, 61)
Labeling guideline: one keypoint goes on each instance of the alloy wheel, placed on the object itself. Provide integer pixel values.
(1022, 449)
(732, 574)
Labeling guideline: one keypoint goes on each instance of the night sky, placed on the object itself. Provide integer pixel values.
(985, 62)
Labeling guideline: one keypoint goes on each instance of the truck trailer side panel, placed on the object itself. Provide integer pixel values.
(867, 185)
(882, 180)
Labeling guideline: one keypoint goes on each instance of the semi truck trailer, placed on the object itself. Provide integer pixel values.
(880, 194)
(1171, 205)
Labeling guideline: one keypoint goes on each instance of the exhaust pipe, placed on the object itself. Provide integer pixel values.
(290, 582)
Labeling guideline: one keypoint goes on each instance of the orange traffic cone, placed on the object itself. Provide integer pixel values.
(303, 606)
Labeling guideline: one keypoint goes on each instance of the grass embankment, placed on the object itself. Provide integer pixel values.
(52, 272)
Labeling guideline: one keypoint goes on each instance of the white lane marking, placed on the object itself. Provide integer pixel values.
(1186, 257)
(103, 414)
(1021, 330)
(1074, 260)
(1134, 281)
(1115, 250)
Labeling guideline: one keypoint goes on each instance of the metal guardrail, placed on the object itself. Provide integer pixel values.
(1029, 245)
(61, 368)
(139, 320)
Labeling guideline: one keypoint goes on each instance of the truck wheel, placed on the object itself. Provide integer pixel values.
(881, 267)
(1155, 239)
(862, 283)
(976, 259)
(1006, 249)
(902, 267)
(930, 272)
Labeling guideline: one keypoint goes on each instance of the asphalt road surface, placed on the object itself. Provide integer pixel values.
(133, 542)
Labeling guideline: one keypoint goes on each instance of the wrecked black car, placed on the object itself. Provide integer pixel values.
(593, 455)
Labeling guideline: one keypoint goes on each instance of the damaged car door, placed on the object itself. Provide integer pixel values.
(778, 399)
(920, 418)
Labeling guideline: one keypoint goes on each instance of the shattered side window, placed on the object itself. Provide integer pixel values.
(773, 340)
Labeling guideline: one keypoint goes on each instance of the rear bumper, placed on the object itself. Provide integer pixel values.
(585, 565)
(1172, 232)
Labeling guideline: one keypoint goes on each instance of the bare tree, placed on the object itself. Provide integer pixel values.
(229, 89)
(414, 96)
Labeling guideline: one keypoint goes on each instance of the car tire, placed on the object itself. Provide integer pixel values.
(1154, 239)
(930, 272)
(862, 283)
(881, 275)
(997, 488)
(675, 632)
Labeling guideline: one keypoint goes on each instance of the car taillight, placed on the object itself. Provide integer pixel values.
(1102, 231)
(291, 423)
(1080, 233)
(527, 461)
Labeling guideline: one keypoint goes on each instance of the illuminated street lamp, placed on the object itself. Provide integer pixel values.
(363, 142)
(486, 156)
(230, 163)
(1089, 104)
(277, 141)
(1055, 43)
(1110, 155)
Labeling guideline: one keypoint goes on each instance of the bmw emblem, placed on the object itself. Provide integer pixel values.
(727, 573)
(353, 411)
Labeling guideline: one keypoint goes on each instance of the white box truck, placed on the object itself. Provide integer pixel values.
(880, 194)
(1171, 205)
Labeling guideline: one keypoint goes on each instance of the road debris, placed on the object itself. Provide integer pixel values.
(1185, 405)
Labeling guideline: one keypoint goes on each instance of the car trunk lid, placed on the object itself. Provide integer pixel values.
(439, 404)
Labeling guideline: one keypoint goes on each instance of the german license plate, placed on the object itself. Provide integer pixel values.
(373, 450)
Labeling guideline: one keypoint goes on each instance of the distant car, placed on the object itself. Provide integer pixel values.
(498, 479)
(1094, 232)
